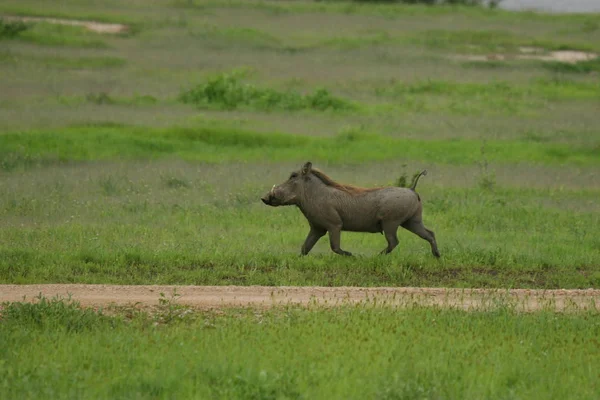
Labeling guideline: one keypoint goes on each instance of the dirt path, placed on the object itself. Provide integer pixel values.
(264, 296)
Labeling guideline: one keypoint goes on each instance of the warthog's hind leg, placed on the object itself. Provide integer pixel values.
(416, 226)
(391, 235)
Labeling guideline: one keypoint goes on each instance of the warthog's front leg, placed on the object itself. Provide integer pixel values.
(334, 241)
(313, 237)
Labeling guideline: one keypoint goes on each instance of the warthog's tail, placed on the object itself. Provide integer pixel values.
(416, 179)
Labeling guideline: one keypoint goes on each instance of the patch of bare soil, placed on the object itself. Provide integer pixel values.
(94, 26)
(533, 53)
(209, 297)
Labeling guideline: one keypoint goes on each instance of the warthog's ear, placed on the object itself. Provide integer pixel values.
(306, 168)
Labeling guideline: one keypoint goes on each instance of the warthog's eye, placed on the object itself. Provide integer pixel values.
(294, 175)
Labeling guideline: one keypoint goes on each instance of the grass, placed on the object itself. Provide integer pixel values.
(296, 353)
(62, 63)
(483, 41)
(583, 67)
(170, 149)
(215, 144)
(141, 159)
(48, 34)
(202, 224)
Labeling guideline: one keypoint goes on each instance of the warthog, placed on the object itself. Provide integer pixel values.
(334, 207)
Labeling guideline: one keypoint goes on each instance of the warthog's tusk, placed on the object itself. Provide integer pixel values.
(273, 188)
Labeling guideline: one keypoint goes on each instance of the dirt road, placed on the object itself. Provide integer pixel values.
(204, 297)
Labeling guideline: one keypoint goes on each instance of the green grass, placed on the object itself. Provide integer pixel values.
(215, 144)
(583, 67)
(53, 348)
(194, 223)
(225, 37)
(434, 96)
(63, 63)
(72, 9)
(107, 176)
(48, 34)
(478, 41)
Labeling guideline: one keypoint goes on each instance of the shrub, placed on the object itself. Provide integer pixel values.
(11, 29)
(228, 92)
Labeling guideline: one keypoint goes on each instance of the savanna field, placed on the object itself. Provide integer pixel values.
(137, 155)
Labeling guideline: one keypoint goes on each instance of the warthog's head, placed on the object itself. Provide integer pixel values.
(288, 192)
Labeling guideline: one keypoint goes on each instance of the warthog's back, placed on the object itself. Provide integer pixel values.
(366, 212)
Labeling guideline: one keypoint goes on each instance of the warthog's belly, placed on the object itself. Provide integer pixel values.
(374, 230)
(374, 227)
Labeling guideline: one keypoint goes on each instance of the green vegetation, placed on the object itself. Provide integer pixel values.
(186, 223)
(49, 34)
(53, 62)
(583, 67)
(144, 161)
(11, 29)
(57, 349)
(141, 157)
(227, 92)
(218, 145)
(486, 40)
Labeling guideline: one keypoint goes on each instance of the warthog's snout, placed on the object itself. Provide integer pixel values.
(266, 199)
(269, 198)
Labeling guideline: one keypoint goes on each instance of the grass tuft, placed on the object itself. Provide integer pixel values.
(47, 315)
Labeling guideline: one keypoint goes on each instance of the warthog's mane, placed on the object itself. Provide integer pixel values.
(351, 189)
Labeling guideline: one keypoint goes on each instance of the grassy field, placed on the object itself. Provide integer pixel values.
(56, 349)
(141, 157)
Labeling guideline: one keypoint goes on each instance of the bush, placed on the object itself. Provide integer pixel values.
(228, 92)
(11, 29)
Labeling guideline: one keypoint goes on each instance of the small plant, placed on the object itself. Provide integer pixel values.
(169, 311)
(172, 182)
(11, 29)
(323, 100)
(402, 180)
(493, 4)
(109, 186)
(99, 98)
(487, 179)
